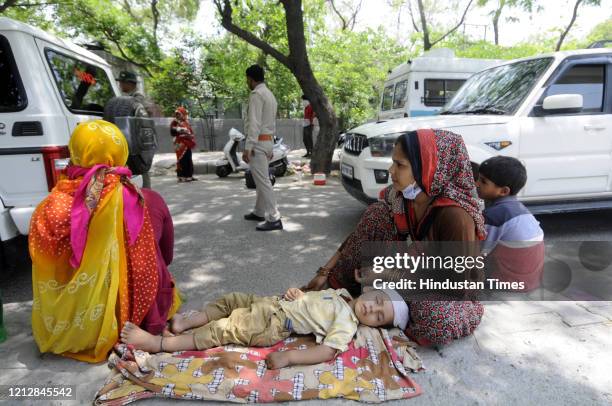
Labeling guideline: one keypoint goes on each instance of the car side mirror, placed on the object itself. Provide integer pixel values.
(560, 104)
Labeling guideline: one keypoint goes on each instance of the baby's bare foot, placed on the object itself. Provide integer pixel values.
(181, 322)
(178, 324)
(140, 339)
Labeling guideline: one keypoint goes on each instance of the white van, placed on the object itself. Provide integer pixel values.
(423, 85)
(47, 86)
(553, 112)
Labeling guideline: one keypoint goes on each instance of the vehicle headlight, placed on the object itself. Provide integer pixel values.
(382, 146)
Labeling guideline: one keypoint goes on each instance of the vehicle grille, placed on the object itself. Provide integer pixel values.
(355, 143)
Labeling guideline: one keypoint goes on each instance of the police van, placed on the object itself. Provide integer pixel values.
(47, 86)
(421, 86)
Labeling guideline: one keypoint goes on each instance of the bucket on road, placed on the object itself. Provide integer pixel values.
(319, 179)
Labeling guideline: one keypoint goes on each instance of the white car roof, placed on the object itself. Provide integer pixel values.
(563, 54)
(8, 24)
(435, 64)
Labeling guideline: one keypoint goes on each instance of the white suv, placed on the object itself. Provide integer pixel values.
(553, 112)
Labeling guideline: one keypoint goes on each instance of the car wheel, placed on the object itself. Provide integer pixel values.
(223, 171)
(250, 182)
(281, 169)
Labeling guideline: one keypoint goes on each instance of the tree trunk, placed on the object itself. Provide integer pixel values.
(325, 144)
(6, 5)
(496, 16)
(426, 42)
(566, 31)
(300, 67)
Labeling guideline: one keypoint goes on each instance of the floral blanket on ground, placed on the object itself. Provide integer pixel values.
(375, 368)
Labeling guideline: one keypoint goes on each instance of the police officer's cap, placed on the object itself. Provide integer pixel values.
(127, 76)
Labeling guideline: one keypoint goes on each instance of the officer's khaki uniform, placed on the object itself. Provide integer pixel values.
(261, 123)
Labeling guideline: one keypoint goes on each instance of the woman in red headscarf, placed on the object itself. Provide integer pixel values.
(433, 198)
(184, 142)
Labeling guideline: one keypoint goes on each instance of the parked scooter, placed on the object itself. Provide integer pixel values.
(232, 163)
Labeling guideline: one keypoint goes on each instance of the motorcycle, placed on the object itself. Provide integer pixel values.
(232, 163)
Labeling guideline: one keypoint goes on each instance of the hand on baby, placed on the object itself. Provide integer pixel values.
(277, 360)
(293, 294)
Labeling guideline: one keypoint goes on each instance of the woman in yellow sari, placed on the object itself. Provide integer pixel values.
(93, 249)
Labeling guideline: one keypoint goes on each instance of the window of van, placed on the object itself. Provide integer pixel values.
(399, 96)
(12, 94)
(85, 88)
(586, 80)
(387, 100)
(439, 91)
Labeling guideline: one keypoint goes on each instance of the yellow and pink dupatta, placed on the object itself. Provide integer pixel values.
(93, 250)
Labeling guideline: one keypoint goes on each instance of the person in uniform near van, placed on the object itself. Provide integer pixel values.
(100, 247)
(128, 83)
(260, 127)
(309, 117)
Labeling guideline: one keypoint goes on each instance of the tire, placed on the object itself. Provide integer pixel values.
(14, 255)
(223, 171)
(280, 169)
(250, 182)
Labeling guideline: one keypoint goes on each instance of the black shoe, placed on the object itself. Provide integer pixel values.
(307, 155)
(254, 217)
(270, 225)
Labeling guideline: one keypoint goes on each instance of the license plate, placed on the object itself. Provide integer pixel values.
(347, 170)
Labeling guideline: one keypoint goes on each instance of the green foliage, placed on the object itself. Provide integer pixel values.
(169, 87)
(225, 60)
(600, 32)
(205, 72)
(125, 28)
(35, 16)
(351, 67)
(112, 26)
(227, 57)
(487, 50)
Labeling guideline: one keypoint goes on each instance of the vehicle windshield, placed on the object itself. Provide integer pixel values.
(499, 90)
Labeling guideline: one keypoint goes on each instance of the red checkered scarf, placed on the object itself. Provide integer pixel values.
(446, 176)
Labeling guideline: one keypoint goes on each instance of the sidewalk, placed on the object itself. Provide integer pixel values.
(204, 162)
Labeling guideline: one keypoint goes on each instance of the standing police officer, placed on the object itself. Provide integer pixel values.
(260, 128)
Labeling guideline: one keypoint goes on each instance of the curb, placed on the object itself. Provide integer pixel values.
(208, 166)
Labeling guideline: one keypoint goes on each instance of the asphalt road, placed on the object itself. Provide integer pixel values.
(216, 251)
(214, 245)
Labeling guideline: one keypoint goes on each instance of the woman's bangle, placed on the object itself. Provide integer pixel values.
(323, 271)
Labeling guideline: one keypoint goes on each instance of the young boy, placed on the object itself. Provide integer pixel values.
(244, 319)
(514, 236)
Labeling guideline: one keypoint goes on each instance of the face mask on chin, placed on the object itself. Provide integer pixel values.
(412, 191)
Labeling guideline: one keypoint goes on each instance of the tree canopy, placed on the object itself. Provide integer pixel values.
(349, 62)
